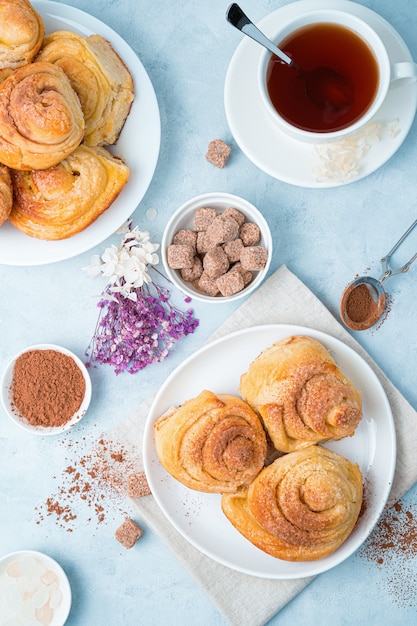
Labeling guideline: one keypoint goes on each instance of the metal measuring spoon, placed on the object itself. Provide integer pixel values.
(325, 87)
(374, 299)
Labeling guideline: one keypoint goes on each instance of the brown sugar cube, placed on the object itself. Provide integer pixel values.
(250, 234)
(207, 285)
(180, 256)
(204, 243)
(246, 274)
(215, 262)
(192, 273)
(128, 533)
(233, 250)
(137, 485)
(230, 283)
(201, 245)
(185, 236)
(222, 229)
(236, 214)
(203, 217)
(218, 153)
(253, 258)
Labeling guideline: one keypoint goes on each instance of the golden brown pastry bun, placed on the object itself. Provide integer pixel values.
(301, 394)
(63, 200)
(21, 33)
(211, 443)
(41, 121)
(6, 193)
(4, 73)
(100, 78)
(300, 508)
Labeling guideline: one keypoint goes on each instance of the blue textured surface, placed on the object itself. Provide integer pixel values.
(325, 236)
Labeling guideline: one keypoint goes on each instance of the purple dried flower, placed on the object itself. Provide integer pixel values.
(131, 334)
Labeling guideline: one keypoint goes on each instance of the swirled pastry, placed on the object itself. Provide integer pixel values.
(63, 200)
(6, 193)
(41, 121)
(300, 508)
(211, 443)
(21, 33)
(301, 394)
(99, 76)
(4, 73)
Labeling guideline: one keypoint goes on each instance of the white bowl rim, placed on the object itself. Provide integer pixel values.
(231, 200)
(65, 586)
(43, 430)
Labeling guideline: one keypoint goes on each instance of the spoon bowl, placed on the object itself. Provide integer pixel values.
(363, 303)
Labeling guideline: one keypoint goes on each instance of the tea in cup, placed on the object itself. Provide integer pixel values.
(353, 80)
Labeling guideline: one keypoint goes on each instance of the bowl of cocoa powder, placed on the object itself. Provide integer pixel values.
(217, 248)
(46, 389)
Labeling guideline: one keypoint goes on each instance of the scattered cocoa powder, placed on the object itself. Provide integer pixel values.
(392, 547)
(93, 485)
(47, 388)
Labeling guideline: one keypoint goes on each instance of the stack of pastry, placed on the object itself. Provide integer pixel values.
(63, 99)
(304, 504)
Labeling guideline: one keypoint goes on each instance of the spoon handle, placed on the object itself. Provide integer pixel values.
(237, 18)
(387, 271)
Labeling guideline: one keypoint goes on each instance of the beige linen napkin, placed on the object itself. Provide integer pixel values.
(245, 600)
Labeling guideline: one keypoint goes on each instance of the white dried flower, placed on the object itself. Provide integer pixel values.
(340, 161)
(126, 266)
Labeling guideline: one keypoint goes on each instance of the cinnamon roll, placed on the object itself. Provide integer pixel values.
(41, 121)
(99, 76)
(302, 507)
(301, 394)
(21, 33)
(61, 201)
(6, 193)
(211, 443)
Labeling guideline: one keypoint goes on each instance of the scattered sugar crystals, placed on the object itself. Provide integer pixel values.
(340, 161)
(29, 593)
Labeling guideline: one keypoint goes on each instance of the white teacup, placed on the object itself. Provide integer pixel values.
(388, 74)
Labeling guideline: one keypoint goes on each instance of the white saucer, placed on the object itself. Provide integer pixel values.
(289, 160)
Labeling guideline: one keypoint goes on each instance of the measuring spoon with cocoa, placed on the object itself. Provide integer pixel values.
(364, 300)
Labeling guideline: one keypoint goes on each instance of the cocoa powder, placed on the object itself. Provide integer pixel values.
(359, 304)
(392, 547)
(93, 485)
(47, 388)
(361, 307)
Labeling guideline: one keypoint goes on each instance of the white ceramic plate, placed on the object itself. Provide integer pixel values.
(287, 159)
(138, 144)
(198, 516)
(60, 614)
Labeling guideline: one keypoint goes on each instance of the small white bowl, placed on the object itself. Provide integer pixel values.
(33, 559)
(6, 384)
(183, 218)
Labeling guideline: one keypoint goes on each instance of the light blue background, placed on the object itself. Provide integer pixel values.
(325, 236)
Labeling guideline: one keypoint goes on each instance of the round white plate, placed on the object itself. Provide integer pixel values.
(287, 159)
(138, 144)
(198, 516)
